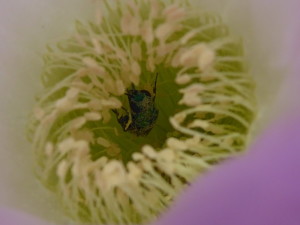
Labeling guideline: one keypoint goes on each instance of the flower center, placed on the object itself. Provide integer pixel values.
(136, 104)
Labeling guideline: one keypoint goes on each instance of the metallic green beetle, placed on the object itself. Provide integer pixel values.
(141, 117)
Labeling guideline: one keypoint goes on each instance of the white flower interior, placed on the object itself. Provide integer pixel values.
(204, 96)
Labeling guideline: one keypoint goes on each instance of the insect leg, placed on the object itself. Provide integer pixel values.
(124, 119)
(125, 109)
(128, 90)
(115, 111)
(129, 122)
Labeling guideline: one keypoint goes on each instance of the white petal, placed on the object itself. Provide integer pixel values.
(26, 26)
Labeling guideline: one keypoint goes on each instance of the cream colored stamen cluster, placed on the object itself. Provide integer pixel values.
(79, 145)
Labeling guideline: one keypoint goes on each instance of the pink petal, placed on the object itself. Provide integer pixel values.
(260, 188)
(13, 217)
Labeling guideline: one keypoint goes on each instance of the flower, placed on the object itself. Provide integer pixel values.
(181, 96)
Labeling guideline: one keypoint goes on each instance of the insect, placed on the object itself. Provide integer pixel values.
(142, 115)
